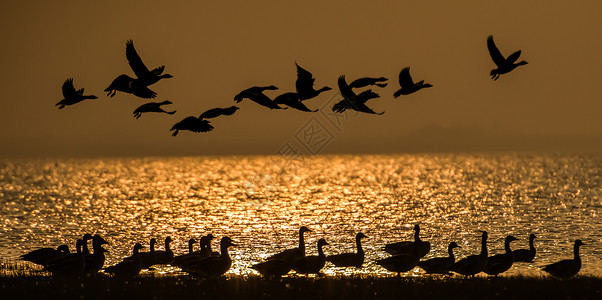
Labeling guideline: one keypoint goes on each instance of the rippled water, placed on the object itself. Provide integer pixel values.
(261, 201)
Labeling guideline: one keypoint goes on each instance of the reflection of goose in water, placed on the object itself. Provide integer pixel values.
(72, 96)
(407, 247)
(152, 107)
(471, 265)
(407, 84)
(568, 267)
(292, 100)
(366, 81)
(350, 259)
(256, 95)
(353, 101)
(440, 265)
(526, 255)
(311, 264)
(500, 263)
(294, 253)
(504, 65)
(305, 85)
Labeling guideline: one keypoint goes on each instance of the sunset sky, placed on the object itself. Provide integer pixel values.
(215, 49)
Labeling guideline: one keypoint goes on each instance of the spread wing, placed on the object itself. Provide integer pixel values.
(305, 80)
(144, 92)
(134, 60)
(404, 77)
(513, 57)
(346, 91)
(68, 89)
(495, 53)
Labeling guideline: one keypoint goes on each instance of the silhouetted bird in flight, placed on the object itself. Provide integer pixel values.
(366, 81)
(127, 84)
(216, 112)
(193, 124)
(256, 95)
(407, 84)
(504, 65)
(152, 107)
(292, 100)
(353, 101)
(305, 85)
(71, 95)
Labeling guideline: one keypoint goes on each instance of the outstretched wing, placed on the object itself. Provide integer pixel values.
(495, 53)
(68, 89)
(513, 57)
(305, 80)
(143, 92)
(134, 60)
(405, 79)
(346, 91)
(363, 108)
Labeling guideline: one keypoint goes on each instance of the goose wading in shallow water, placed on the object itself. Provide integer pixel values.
(407, 247)
(72, 96)
(305, 85)
(350, 259)
(504, 65)
(294, 253)
(152, 107)
(473, 264)
(526, 255)
(256, 95)
(292, 100)
(44, 256)
(500, 263)
(568, 267)
(311, 264)
(366, 81)
(353, 101)
(213, 265)
(129, 267)
(440, 265)
(407, 84)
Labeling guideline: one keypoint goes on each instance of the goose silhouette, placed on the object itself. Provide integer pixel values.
(70, 265)
(127, 84)
(256, 95)
(145, 76)
(129, 267)
(152, 107)
(473, 264)
(96, 260)
(350, 259)
(214, 265)
(440, 265)
(45, 256)
(312, 264)
(305, 85)
(294, 253)
(566, 268)
(292, 100)
(366, 81)
(407, 247)
(353, 101)
(407, 84)
(500, 263)
(526, 255)
(72, 96)
(193, 124)
(216, 112)
(504, 65)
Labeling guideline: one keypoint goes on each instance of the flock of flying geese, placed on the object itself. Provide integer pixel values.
(405, 256)
(139, 86)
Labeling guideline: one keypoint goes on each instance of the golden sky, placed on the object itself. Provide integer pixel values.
(215, 49)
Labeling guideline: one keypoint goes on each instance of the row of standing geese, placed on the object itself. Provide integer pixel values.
(304, 85)
(405, 256)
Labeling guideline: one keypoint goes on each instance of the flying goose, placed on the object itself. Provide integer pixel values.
(311, 264)
(473, 264)
(366, 81)
(504, 65)
(216, 112)
(407, 247)
(145, 76)
(305, 85)
(129, 267)
(44, 256)
(292, 100)
(500, 263)
(440, 265)
(193, 124)
(256, 95)
(127, 84)
(407, 84)
(568, 267)
(353, 101)
(526, 255)
(294, 253)
(71, 96)
(350, 259)
(152, 107)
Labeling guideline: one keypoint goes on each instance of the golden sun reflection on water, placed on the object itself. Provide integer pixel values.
(261, 201)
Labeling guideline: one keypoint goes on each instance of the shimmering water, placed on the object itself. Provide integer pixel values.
(260, 202)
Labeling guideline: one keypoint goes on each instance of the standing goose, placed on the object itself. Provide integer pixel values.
(473, 264)
(147, 258)
(181, 259)
(256, 95)
(353, 101)
(407, 84)
(273, 268)
(145, 76)
(45, 256)
(440, 265)
(127, 84)
(312, 264)
(366, 81)
(504, 65)
(401, 262)
(71, 96)
(305, 85)
(294, 253)
(152, 107)
(70, 265)
(526, 255)
(193, 124)
(213, 266)
(96, 260)
(568, 267)
(350, 259)
(407, 247)
(292, 100)
(162, 257)
(129, 267)
(500, 263)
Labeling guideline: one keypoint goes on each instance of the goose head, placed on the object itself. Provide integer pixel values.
(168, 240)
(87, 237)
(270, 87)
(227, 242)
(210, 237)
(522, 62)
(166, 102)
(360, 236)
(453, 245)
(510, 239)
(304, 229)
(532, 237)
(579, 243)
(322, 242)
(137, 247)
(97, 239)
(165, 76)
